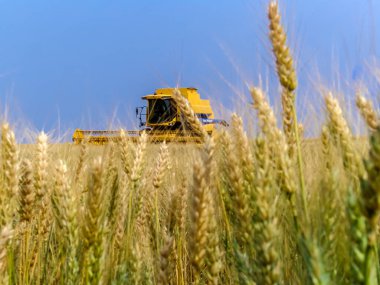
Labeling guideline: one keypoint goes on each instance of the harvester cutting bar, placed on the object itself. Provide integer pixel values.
(179, 136)
(101, 136)
(154, 136)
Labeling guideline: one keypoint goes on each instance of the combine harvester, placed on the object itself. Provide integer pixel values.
(161, 119)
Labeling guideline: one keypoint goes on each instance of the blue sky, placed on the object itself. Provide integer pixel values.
(82, 63)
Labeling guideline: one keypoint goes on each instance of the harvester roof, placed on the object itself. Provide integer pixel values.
(200, 106)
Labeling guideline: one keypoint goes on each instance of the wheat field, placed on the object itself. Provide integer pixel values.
(274, 208)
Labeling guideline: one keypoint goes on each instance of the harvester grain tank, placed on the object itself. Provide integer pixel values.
(161, 119)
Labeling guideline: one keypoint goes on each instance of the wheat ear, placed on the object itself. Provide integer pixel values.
(4, 131)
(371, 202)
(161, 166)
(11, 171)
(285, 72)
(314, 264)
(11, 163)
(326, 146)
(59, 203)
(136, 171)
(189, 115)
(371, 186)
(26, 200)
(340, 127)
(368, 113)
(265, 228)
(243, 149)
(164, 266)
(6, 236)
(279, 147)
(358, 239)
(288, 79)
(41, 167)
(124, 152)
(93, 227)
(199, 220)
(240, 198)
(81, 160)
(139, 158)
(64, 207)
(159, 172)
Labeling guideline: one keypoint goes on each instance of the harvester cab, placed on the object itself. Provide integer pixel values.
(161, 119)
(163, 114)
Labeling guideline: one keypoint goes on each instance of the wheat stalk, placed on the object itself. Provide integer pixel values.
(199, 220)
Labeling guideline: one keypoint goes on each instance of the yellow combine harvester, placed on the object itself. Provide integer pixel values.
(161, 119)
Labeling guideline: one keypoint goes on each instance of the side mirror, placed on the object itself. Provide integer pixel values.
(224, 123)
(137, 112)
